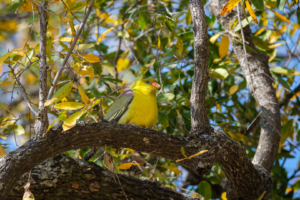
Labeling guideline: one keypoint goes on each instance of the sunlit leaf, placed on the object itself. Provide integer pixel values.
(251, 12)
(84, 97)
(69, 105)
(84, 70)
(283, 18)
(173, 169)
(127, 165)
(4, 57)
(233, 89)
(275, 45)
(224, 196)
(122, 64)
(54, 20)
(218, 73)
(280, 4)
(229, 6)
(164, 97)
(59, 94)
(91, 58)
(284, 71)
(50, 126)
(224, 45)
(71, 121)
(214, 38)
(273, 55)
(182, 152)
(2, 151)
(29, 5)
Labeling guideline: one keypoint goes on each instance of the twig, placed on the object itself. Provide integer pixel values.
(70, 50)
(155, 169)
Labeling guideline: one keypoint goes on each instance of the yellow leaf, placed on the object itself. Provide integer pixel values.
(72, 27)
(8, 25)
(59, 94)
(229, 6)
(275, 45)
(173, 169)
(224, 196)
(4, 83)
(159, 43)
(122, 64)
(91, 58)
(151, 63)
(30, 197)
(283, 18)
(29, 5)
(219, 73)
(199, 153)
(179, 47)
(2, 152)
(127, 165)
(260, 31)
(19, 51)
(3, 137)
(219, 107)
(54, 32)
(130, 150)
(233, 89)
(214, 38)
(71, 121)
(273, 55)
(69, 106)
(50, 126)
(68, 39)
(223, 48)
(4, 57)
(84, 70)
(84, 97)
(103, 35)
(251, 12)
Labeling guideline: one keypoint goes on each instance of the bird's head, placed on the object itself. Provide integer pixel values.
(146, 85)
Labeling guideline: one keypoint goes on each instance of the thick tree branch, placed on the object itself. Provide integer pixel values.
(259, 81)
(227, 152)
(199, 118)
(63, 177)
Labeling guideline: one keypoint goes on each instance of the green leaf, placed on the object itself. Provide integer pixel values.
(285, 71)
(54, 20)
(182, 152)
(204, 190)
(280, 4)
(163, 119)
(143, 19)
(261, 196)
(186, 35)
(210, 102)
(18, 130)
(244, 23)
(164, 97)
(259, 4)
(218, 73)
(59, 94)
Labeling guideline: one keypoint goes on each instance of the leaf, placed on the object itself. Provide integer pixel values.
(273, 55)
(204, 189)
(286, 131)
(2, 152)
(79, 5)
(229, 6)
(233, 89)
(218, 73)
(259, 4)
(85, 46)
(72, 27)
(214, 38)
(127, 165)
(91, 58)
(103, 35)
(59, 94)
(261, 196)
(164, 97)
(4, 57)
(163, 119)
(54, 20)
(251, 12)
(84, 70)
(69, 106)
(244, 23)
(29, 5)
(223, 48)
(123, 64)
(84, 97)
(71, 121)
(173, 169)
(19, 51)
(284, 71)
(223, 197)
(199, 153)
(275, 45)
(182, 152)
(159, 42)
(143, 19)
(18, 130)
(179, 47)
(50, 126)
(4, 83)
(283, 18)
(280, 4)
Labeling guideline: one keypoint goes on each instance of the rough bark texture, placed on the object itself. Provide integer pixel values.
(200, 123)
(244, 179)
(260, 85)
(63, 177)
(41, 122)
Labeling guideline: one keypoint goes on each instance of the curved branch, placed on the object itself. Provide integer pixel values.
(84, 180)
(259, 83)
(227, 152)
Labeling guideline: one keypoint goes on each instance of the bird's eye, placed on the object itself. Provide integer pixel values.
(148, 82)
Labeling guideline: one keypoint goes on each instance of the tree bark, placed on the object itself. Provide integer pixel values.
(259, 81)
(244, 179)
(63, 177)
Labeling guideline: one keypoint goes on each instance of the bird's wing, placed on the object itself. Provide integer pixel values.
(119, 107)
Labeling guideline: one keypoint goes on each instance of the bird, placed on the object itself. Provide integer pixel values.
(136, 106)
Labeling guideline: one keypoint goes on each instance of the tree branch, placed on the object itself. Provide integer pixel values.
(222, 149)
(84, 180)
(260, 85)
(199, 118)
(70, 50)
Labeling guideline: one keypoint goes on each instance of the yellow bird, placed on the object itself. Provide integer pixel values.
(137, 105)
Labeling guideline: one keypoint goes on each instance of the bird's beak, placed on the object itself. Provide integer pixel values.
(156, 85)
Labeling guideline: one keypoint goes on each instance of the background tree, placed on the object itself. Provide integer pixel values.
(64, 62)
